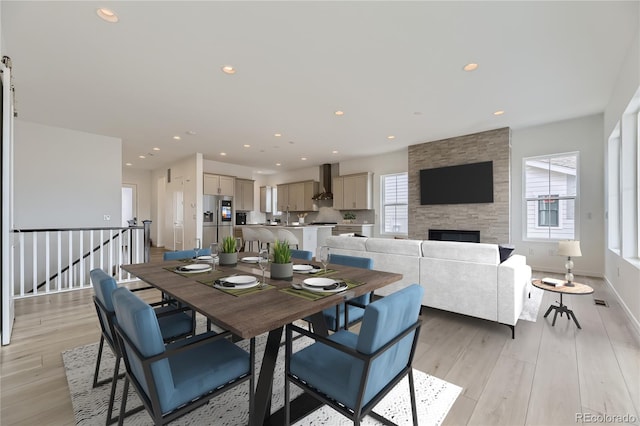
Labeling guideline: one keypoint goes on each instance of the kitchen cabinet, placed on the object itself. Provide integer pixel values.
(297, 195)
(218, 185)
(266, 204)
(353, 192)
(244, 195)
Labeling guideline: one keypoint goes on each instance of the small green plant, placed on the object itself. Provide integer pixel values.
(349, 216)
(281, 252)
(229, 245)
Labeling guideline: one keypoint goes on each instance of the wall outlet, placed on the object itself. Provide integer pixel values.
(107, 217)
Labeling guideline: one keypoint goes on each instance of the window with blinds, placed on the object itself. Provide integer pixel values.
(395, 200)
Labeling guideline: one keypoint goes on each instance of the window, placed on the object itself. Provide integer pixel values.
(395, 200)
(550, 188)
(548, 211)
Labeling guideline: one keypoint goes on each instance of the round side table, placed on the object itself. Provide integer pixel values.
(576, 288)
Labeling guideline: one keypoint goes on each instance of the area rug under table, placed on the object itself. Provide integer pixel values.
(434, 396)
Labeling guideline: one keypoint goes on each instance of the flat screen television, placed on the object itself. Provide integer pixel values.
(462, 184)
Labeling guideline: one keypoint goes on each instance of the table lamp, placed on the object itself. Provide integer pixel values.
(569, 248)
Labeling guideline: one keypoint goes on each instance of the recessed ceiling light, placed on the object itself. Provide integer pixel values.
(223, 153)
(141, 156)
(156, 148)
(246, 145)
(177, 138)
(334, 152)
(278, 164)
(391, 137)
(339, 112)
(498, 112)
(107, 15)
(228, 69)
(191, 132)
(417, 113)
(291, 142)
(470, 67)
(128, 164)
(304, 158)
(277, 135)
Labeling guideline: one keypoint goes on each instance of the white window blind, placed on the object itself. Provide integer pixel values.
(395, 199)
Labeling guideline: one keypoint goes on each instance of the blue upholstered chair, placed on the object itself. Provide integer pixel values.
(178, 378)
(339, 317)
(184, 254)
(301, 254)
(353, 372)
(174, 324)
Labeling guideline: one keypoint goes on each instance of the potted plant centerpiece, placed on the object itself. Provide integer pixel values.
(281, 267)
(228, 255)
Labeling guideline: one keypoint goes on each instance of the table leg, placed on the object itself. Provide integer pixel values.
(570, 313)
(265, 380)
(548, 310)
(555, 316)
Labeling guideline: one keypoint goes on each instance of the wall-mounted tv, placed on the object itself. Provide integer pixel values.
(462, 184)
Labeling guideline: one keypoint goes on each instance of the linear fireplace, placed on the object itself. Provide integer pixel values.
(454, 235)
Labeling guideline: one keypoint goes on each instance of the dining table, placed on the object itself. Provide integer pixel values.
(250, 313)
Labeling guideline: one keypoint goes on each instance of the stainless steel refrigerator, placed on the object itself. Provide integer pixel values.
(218, 219)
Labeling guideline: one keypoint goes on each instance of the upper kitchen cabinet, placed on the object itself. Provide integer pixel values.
(266, 206)
(296, 196)
(244, 194)
(353, 192)
(218, 185)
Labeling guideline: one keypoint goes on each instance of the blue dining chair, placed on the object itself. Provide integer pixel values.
(350, 312)
(353, 372)
(174, 324)
(301, 254)
(174, 380)
(184, 254)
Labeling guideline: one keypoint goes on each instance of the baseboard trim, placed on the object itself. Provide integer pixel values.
(634, 321)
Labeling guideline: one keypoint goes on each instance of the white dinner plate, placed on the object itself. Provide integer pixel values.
(194, 267)
(250, 259)
(204, 258)
(318, 282)
(237, 282)
(302, 268)
(316, 289)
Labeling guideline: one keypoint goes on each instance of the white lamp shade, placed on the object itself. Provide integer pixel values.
(569, 248)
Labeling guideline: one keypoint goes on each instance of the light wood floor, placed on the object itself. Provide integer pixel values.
(546, 376)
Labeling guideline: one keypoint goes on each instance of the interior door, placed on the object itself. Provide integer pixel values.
(6, 130)
(175, 219)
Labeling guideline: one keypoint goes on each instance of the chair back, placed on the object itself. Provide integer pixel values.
(178, 255)
(265, 235)
(288, 236)
(301, 254)
(104, 285)
(138, 322)
(384, 320)
(355, 261)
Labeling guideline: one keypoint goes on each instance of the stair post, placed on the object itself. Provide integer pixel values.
(147, 240)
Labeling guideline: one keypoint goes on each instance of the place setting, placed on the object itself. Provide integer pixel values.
(318, 287)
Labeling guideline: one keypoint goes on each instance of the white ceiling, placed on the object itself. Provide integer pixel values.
(394, 68)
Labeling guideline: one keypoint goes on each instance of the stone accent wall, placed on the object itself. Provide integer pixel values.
(491, 219)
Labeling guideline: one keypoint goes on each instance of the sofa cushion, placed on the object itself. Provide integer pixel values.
(387, 245)
(463, 252)
(347, 243)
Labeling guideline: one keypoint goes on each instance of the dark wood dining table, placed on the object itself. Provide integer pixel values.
(265, 311)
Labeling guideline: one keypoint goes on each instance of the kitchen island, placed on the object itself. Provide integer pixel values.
(310, 237)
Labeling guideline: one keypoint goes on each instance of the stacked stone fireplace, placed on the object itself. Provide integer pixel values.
(492, 220)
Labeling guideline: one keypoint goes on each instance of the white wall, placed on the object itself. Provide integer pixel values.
(142, 180)
(584, 135)
(65, 178)
(623, 274)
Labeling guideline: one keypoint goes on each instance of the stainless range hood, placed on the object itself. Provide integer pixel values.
(325, 182)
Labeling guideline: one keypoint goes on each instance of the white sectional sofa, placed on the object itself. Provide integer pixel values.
(467, 278)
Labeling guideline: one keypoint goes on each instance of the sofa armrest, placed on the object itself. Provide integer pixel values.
(514, 278)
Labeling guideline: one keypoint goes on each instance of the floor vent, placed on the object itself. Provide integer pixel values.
(601, 302)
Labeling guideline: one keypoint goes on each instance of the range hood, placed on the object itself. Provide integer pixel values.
(325, 181)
